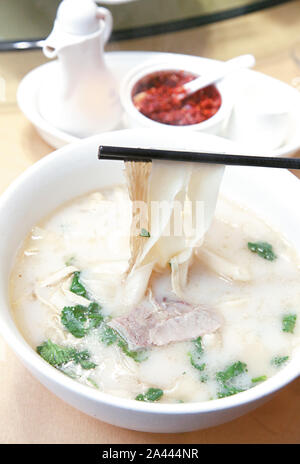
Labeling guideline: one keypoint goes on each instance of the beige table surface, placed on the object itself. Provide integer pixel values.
(29, 413)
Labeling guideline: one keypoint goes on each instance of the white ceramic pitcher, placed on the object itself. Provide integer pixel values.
(79, 95)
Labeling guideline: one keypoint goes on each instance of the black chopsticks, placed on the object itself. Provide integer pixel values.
(149, 154)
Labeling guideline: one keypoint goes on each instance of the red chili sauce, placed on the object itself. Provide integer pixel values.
(155, 96)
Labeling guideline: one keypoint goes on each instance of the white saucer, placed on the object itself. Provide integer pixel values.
(120, 63)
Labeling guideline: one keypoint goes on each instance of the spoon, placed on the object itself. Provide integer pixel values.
(239, 62)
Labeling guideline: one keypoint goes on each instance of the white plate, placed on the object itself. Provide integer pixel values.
(120, 63)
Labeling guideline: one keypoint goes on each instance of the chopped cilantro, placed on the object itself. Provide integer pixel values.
(83, 358)
(107, 335)
(225, 379)
(263, 249)
(279, 360)
(196, 353)
(231, 372)
(137, 356)
(204, 378)
(54, 354)
(70, 261)
(76, 285)
(58, 355)
(76, 318)
(262, 378)
(144, 233)
(289, 322)
(92, 381)
(110, 336)
(228, 391)
(198, 345)
(152, 394)
(95, 315)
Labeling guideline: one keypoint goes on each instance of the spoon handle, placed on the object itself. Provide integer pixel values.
(239, 62)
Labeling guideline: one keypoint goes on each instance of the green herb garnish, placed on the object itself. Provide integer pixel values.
(74, 319)
(144, 233)
(107, 335)
(196, 354)
(83, 358)
(92, 381)
(229, 391)
(151, 395)
(58, 355)
(76, 285)
(289, 322)
(226, 377)
(95, 315)
(263, 249)
(231, 372)
(137, 356)
(70, 261)
(78, 320)
(279, 360)
(55, 355)
(262, 378)
(204, 378)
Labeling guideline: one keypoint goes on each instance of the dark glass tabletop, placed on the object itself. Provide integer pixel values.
(24, 24)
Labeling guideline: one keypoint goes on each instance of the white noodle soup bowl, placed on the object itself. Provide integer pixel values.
(133, 118)
(75, 170)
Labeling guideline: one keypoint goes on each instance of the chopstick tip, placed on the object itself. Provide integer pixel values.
(100, 150)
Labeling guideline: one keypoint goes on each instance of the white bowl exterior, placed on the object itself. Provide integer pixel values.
(75, 170)
(132, 123)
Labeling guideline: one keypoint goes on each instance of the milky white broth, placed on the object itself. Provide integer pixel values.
(251, 309)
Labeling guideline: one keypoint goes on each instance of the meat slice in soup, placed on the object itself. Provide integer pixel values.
(153, 324)
(183, 322)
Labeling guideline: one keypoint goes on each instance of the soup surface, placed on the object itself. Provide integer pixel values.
(70, 269)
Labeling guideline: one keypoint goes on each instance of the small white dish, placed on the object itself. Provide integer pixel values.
(120, 63)
(47, 183)
(134, 118)
(261, 116)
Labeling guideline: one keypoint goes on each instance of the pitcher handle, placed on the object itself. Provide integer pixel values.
(105, 14)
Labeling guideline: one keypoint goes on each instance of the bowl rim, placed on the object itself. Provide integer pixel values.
(14, 338)
(153, 66)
